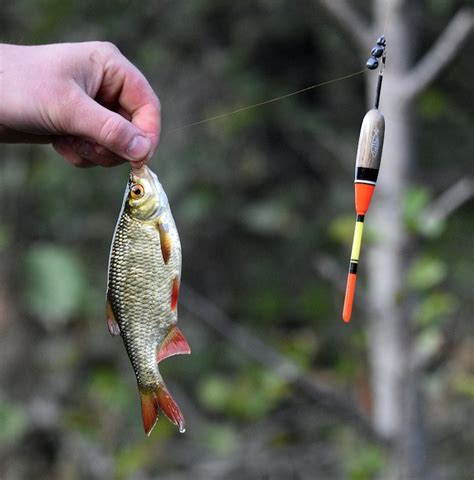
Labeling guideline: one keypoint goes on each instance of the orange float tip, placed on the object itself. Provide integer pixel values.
(363, 197)
(349, 297)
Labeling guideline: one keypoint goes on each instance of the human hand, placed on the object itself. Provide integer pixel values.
(87, 99)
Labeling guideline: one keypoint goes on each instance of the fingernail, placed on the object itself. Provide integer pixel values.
(139, 147)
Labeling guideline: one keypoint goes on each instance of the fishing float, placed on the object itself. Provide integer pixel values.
(369, 155)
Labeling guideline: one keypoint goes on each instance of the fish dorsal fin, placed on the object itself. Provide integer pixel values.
(174, 344)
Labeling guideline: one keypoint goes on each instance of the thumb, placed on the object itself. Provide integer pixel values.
(91, 120)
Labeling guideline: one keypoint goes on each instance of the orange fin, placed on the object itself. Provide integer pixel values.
(114, 328)
(170, 408)
(149, 409)
(174, 344)
(174, 293)
(165, 241)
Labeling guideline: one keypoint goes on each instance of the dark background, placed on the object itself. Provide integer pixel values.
(263, 201)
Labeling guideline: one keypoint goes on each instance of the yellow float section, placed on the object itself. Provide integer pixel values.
(357, 241)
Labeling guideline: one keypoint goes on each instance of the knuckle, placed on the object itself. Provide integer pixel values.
(103, 52)
(109, 47)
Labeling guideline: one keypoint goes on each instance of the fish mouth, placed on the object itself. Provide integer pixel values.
(144, 172)
(137, 174)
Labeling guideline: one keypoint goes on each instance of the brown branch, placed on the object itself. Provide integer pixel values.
(429, 361)
(441, 53)
(448, 202)
(350, 20)
(331, 271)
(266, 355)
(340, 149)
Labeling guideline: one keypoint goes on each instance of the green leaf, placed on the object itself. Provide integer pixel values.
(426, 272)
(222, 439)
(197, 205)
(428, 341)
(440, 7)
(268, 305)
(214, 392)
(314, 302)
(109, 388)
(12, 422)
(248, 396)
(341, 229)
(432, 103)
(4, 237)
(414, 202)
(300, 347)
(434, 307)
(133, 458)
(54, 283)
(464, 385)
(365, 463)
(270, 217)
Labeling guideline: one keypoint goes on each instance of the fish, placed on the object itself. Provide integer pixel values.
(143, 283)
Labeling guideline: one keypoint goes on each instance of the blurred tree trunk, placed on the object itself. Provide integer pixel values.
(397, 412)
(398, 403)
(394, 382)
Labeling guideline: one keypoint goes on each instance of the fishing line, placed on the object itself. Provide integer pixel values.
(266, 102)
(387, 16)
(297, 92)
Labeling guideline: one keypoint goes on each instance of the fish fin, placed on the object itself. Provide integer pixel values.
(149, 403)
(166, 242)
(169, 407)
(114, 328)
(174, 293)
(174, 344)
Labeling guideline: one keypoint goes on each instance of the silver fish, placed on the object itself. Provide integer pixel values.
(142, 293)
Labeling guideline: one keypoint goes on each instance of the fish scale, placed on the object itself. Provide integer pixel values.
(143, 283)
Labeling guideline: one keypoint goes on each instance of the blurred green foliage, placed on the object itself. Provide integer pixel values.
(252, 395)
(54, 283)
(365, 464)
(426, 273)
(262, 199)
(13, 422)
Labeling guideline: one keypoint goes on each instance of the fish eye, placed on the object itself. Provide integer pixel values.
(136, 191)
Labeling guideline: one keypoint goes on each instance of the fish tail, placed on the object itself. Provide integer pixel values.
(169, 407)
(159, 398)
(149, 409)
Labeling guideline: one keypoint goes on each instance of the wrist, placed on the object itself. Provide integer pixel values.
(11, 77)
